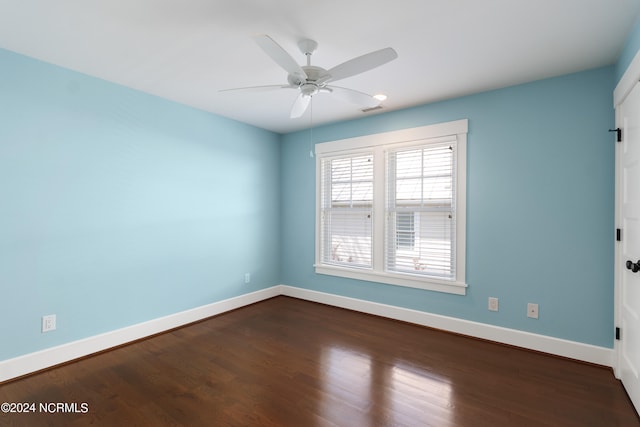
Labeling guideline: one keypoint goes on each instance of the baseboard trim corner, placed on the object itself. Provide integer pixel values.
(527, 340)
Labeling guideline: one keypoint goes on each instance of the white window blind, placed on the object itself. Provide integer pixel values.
(347, 210)
(420, 210)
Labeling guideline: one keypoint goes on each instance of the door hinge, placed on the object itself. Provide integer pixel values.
(617, 333)
(618, 234)
(618, 132)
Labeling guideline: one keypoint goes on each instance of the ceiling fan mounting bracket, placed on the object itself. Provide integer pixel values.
(307, 46)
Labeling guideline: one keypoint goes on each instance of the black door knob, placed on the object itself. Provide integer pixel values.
(633, 266)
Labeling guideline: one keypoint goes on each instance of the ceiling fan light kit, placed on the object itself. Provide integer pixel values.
(311, 80)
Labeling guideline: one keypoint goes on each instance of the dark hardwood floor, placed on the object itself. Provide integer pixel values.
(286, 362)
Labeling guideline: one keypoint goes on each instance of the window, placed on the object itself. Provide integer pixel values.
(391, 207)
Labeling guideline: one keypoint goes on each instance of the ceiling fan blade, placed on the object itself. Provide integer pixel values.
(300, 106)
(354, 96)
(258, 88)
(279, 55)
(362, 63)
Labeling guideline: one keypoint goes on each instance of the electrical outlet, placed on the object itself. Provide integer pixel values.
(493, 304)
(532, 310)
(247, 277)
(48, 323)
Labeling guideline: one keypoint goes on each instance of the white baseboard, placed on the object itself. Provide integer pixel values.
(555, 346)
(32, 362)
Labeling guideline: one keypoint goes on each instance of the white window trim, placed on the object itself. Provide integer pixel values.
(377, 144)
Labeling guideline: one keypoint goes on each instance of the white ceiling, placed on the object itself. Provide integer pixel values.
(188, 50)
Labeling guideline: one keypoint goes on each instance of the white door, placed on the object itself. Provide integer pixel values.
(628, 250)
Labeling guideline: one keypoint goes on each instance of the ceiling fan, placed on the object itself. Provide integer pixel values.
(310, 80)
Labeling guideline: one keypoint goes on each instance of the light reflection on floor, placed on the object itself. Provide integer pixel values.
(357, 387)
(413, 389)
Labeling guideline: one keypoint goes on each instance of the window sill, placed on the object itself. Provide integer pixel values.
(457, 288)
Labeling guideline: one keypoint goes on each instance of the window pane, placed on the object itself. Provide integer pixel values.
(362, 168)
(362, 192)
(409, 164)
(426, 249)
(341, 170)
(341, 192)
(409, 190)
(420, 211)
(349, 235)
(437, 188)
(347, 218)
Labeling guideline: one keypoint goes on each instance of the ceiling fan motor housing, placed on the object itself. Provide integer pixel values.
(315, 75)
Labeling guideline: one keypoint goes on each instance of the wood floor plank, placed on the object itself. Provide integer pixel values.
(287, 362)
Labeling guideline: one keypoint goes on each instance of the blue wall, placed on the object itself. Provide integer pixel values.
(540, 200)
(118, 207)
(115, 206)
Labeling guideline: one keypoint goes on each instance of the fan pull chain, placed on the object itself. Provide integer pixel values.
(311, 128)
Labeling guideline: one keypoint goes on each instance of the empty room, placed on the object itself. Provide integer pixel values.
(289, 213)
